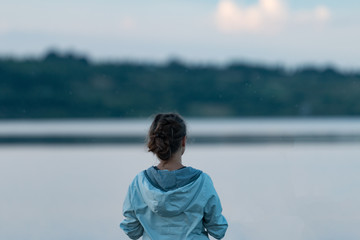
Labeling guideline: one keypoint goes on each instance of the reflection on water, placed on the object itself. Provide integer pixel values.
(278, 192)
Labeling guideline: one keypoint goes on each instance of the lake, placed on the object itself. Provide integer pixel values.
(273, 190)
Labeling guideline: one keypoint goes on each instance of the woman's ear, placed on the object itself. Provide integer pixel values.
(183, 142)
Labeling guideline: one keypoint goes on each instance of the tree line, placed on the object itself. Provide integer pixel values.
(71, 86)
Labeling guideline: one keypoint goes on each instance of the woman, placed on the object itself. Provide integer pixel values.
(171, 201)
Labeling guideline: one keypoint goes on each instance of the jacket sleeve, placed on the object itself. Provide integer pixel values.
(214, 221)
(131, 225)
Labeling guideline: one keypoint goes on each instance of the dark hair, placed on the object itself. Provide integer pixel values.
(165, 135)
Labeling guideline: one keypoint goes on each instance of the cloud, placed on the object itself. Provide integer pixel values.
(127, 23)
(320, 14)
(265, 15)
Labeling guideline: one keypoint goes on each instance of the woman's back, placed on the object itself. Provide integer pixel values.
(183, 212)
(172, 201)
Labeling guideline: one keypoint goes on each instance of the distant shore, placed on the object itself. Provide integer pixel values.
(200, 131)
(193, 140)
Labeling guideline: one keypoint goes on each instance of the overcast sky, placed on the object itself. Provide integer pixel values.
(285, 32)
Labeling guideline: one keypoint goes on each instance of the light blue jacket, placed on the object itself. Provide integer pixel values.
(171, 205)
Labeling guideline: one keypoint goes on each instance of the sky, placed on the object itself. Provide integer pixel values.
(278, 32)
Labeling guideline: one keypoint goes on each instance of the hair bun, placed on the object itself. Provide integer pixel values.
(165, 135)
(159, 135)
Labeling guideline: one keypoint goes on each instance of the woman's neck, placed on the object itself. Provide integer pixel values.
(174, 163)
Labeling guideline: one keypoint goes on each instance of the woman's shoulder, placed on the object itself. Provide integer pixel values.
(207, 178)
(137, 178)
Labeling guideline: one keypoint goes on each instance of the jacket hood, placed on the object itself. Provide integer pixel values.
(168, 193)
(166, 180)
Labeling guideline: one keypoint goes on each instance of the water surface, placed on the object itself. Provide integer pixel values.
(273, 191)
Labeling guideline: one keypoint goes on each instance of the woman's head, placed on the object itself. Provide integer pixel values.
(166, 134)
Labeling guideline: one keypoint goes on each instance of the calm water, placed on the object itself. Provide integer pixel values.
(197, 127)
(275, 192)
